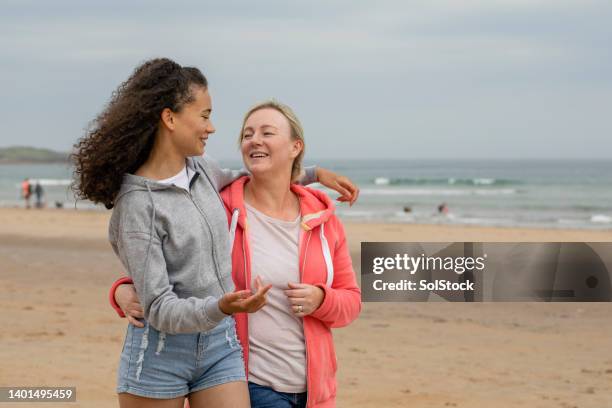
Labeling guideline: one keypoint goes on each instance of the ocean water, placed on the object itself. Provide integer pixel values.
(540, 193)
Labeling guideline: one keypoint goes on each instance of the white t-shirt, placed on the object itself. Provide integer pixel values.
(181, 179)
(277, 352)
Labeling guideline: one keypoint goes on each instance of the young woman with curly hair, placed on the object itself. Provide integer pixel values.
(143, 157)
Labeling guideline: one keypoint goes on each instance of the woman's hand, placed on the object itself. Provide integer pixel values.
(245, 300)
(126, 298)
(348, 191)
(304, 298)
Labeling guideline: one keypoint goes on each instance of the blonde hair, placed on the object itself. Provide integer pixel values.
(297, 132)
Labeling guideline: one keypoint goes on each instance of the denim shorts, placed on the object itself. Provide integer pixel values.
(160, 365)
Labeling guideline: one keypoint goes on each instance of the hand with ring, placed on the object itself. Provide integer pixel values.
(304, 298)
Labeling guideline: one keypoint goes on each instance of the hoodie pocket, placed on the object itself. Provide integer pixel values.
(327, 376)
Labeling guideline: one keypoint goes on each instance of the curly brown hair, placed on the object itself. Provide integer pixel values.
(121, 137)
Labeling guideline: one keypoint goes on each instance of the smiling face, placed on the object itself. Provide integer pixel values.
(267, 145)
(192, 125)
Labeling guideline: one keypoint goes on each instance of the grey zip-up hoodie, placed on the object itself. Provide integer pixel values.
(175, 245)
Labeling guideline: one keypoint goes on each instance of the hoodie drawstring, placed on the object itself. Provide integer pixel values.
(233, 225)
(327, 256)
(151, 226)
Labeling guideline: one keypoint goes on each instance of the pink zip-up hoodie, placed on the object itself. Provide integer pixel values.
(325, 261)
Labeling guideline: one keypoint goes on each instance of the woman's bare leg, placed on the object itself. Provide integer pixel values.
(229, 395)
(133, 401)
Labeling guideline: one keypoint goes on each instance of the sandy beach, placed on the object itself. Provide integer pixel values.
(58, 329)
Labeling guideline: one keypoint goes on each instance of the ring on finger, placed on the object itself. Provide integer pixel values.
(300, 308)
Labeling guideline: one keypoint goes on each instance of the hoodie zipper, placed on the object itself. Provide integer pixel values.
(305, 337)
(247, 285)
(212, 185)
(247, 282)
(212, 238)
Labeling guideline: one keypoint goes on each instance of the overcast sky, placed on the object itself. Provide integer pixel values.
(371, 79)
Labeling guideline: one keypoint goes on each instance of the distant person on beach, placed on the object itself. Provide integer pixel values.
(26, 191)
(144, 157)
(39, 192)
(296, 243)
(443, 209)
